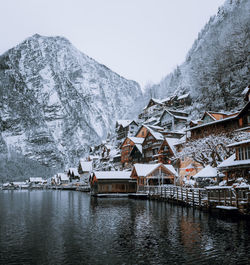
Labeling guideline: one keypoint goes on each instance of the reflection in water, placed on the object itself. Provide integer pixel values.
(67, 227)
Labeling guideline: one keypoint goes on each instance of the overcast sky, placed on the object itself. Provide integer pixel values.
(141, 40)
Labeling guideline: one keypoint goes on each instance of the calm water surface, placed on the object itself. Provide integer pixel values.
(67, 227)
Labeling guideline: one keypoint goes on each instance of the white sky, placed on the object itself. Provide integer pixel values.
(141, 40)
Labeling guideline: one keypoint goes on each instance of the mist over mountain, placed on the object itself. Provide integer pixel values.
(216, 69)
(55, 101)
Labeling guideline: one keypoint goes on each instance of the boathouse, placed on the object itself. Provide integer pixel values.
(153, 174)
(104, 182)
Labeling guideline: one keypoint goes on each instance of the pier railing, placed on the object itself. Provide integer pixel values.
(191, 196)
(228, 196)
(210, 197)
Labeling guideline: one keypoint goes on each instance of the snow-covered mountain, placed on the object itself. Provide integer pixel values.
(216, 69)
(55, 101)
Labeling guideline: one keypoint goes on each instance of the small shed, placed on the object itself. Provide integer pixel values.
(102, 182)
(207, 176)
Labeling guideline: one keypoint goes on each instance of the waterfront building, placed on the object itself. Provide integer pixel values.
(102, 182)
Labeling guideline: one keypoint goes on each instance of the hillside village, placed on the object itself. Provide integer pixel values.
(164, 146)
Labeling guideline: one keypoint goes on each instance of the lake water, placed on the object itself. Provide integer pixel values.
(69, 227)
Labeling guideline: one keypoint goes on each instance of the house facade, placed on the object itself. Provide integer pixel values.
(237, 165)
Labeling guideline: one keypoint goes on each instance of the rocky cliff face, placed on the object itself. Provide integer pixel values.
(56, 101)
(216, 69)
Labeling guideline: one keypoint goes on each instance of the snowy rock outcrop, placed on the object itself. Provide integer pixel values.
(55, 101)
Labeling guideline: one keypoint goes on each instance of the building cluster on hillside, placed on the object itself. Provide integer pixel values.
(159, 139)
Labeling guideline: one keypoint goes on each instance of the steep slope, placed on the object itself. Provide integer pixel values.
(55, 101)
(216, 69)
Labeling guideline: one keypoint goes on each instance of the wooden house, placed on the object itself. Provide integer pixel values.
(173, 120)
(85, 169)
(237, 165)
(136, 154)
(143, 130)
(125, 128)
(103, 182)
(183, 100)
(127, 147)
(167, 150)
(153, 108)
(73, 174)
(153, 174)
(239, 120)
(151, 146)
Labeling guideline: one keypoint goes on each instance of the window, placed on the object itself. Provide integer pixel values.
(142, 133)
(248, 119)
(240, 153)
(247, 152)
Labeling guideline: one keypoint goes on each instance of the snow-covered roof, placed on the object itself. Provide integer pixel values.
(86, 166)
(36, 179)
(73, 170)
(231, 162)
(171, 168)
(137, 140)
(157, 135)
(165, 99)
(143, 170)
(112, 174)
(172, 142)
(63, 176)
(212, 122)
(139, 147)
(173, 115)
(183, 96)
(239, 143)
(207, 172)
(124, 123)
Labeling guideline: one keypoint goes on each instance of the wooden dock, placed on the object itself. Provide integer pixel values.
(219, 198)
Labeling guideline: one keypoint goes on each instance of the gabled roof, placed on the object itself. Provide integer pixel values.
(183, 96)
(154, 100)
(112, 174)
(173, 115)
(138, 147)
(86, 165)
(207, 172)
(171, 168)
(156, 135)
(125, 123)
(137, 140)
(154, 127)
(237, 115)
(143, 170)
(63, 176)
(73, 171)
(171, 143)
(232, 162)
